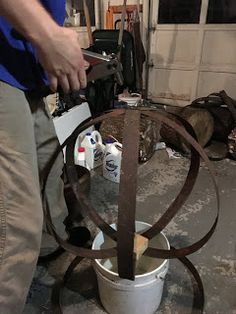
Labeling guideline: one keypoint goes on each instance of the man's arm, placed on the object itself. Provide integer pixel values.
(57, 47)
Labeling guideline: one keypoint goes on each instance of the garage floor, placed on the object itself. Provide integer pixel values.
(159, 181)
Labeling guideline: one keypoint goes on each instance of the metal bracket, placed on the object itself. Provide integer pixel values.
(151, 64)
(102, 66)
(152, 28)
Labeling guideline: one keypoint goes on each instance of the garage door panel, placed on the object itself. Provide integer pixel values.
(170, 86)
(169, 47)
(214, 82)
(219, 48)
(190, 60)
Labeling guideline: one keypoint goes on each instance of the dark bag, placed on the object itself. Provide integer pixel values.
(100, 95)
(107, 41)
(223, 110)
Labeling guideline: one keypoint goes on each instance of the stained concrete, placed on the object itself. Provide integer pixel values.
(160, 180)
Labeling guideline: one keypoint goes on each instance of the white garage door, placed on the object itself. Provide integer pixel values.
(193, 49)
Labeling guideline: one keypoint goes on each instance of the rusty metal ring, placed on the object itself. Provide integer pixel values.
(105, 227)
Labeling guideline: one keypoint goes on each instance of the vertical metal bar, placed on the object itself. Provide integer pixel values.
(122, 27)
(148, 46)
(127, 195)
(201, 34)
(98, 13)
(88, 22)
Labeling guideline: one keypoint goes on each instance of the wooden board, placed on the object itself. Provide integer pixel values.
(129, 8)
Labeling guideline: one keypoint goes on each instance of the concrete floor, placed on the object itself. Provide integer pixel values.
(159, 181)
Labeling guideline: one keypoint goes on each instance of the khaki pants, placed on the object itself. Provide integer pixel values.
(27, 141)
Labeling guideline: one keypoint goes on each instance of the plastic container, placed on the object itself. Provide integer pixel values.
(131, 99)
(76, 19)
(99, 149)
(112, 162)
(81, 160)
(108, 144)
(90, 145)
(143, 295)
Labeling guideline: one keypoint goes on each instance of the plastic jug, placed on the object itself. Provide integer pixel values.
(112, 162)
(99, 149)
(90, 145)
(81, 159)
(108, 143)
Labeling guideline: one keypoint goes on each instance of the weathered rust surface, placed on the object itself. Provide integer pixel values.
(126, 216)
(127, 195)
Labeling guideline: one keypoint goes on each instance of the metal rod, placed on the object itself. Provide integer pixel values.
(148, 50)
(122, 26)
(88, 22)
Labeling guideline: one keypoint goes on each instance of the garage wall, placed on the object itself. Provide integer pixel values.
(82, 30)
(190, 60)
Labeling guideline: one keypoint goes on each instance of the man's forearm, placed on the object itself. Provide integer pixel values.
(57, 48)
(30, 19)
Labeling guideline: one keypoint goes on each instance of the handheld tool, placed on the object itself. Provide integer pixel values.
(101, 66)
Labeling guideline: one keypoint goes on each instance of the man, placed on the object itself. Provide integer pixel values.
(31, 39)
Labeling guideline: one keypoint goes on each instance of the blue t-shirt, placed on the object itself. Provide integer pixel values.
(19, 64)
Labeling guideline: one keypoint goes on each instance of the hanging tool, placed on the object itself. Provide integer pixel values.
(101, 66)
(109, 17)
(122, 27)
(139, 47)
(88, 22)
(119, 77)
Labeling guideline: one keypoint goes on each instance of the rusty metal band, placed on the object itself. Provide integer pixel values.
(173, 253)
(57, 290)
(127, 199)
(198, 290)
(78, 251)
(101, 223)
(86, 206)
(126, 265)
(184, 192)
(127, 195)
(164, 220)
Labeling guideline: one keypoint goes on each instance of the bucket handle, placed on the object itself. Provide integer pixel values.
(162, 275)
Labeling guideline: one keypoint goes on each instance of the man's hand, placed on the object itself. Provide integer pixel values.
(57, 47)
(62, 59)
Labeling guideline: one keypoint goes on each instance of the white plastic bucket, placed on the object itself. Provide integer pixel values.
(141, 296)
(131, 99)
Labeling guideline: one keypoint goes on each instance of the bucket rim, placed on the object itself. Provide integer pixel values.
(165, 261)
